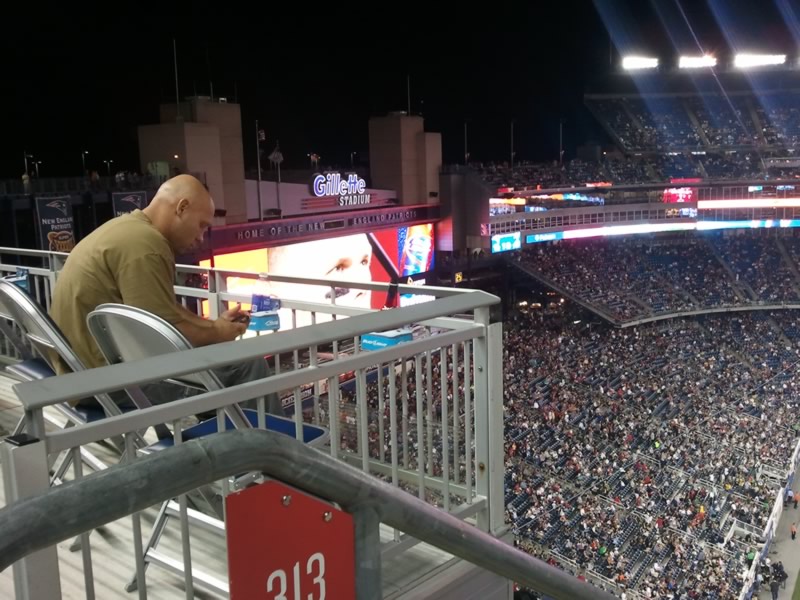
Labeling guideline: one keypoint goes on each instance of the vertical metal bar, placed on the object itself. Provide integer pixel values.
(37, 284)
(333, 407)
(393, 428)
(480, 361)
(48, 296)
(136, 523)
(429, 408)
(314, 363)
(298, 411)
(393, 419)
(469, 464)
(420, 435)
(262, 410)
(444, 428)
(298, 397)
(367, 554)
(456, 419)
(188, 580)
(34, 423)
(86, 550)
(333, 412)
(222, 426)
(363, 418)
(25, 474)
(381, 415)
(496, 466)
(404, 398)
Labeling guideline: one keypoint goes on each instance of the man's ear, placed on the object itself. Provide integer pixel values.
(183, 204)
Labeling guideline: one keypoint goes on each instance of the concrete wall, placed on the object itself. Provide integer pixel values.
(430, 164)
(204, 155)
(229, 177)
(465, 206)
(160, 143)
(405, 158)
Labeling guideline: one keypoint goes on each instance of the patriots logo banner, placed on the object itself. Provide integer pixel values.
(60, 205)
(125, 202)
(56, 224)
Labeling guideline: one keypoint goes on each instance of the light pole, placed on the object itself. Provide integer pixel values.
(512, 144)
(27, 156)
(36, 164)
(258, 162)
(352, 160)
(108, 166)
(466, 148)
(83, 160)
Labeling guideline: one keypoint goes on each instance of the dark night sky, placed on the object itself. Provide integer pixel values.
(313, 76)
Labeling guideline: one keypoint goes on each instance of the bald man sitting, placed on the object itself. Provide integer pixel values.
(131, 260)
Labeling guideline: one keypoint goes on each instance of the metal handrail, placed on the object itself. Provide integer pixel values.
(74, 386)
(79, 506)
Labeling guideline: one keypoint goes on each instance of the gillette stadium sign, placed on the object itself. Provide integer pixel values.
(350, 190)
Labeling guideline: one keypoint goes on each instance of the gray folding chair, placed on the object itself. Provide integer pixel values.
(13, 337)
(124, 333)
(41, 334)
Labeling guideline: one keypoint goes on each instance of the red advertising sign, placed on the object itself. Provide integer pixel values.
(284, 544)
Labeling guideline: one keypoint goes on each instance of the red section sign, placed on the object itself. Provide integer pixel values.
(286, 545)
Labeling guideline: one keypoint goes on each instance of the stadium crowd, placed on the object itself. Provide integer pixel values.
(632, 453)
(628, 279)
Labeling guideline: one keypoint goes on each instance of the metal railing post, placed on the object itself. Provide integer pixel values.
(481, 402)
(216, 284)
(25, 474)
(367, 553)
(496, 433)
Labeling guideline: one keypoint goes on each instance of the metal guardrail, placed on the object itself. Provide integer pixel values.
(74, 508)
(425, 415)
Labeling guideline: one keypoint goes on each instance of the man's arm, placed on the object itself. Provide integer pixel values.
(145, 281)
(190, 316)
(206, 332)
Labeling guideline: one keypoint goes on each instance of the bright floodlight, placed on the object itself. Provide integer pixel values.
(746, 61)
(632, 63)
(697, 62)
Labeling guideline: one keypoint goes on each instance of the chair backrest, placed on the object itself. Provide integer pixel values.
(37, 327)
(10, 330)
(125, 333)
(5, 312)
(43, 334)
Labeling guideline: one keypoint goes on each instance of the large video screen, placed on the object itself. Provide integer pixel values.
(681, 194)
(379, 256)
(503, 242)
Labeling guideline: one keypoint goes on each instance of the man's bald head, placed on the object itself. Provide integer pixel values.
(181, 210)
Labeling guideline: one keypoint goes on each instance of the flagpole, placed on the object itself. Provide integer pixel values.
(277, 146)
(258, 161)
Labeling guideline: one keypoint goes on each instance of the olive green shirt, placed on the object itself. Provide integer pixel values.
(124, 261)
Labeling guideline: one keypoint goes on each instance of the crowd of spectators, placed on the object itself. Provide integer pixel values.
(631, 278)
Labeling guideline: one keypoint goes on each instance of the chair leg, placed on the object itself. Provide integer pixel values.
(60, 468)
(20, 428)
(155, 536)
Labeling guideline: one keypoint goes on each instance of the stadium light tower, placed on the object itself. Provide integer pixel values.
(748, 61)
(697, 62)
(638, 63)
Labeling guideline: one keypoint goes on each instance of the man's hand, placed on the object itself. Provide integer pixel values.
(228, 330)
(236, 315)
